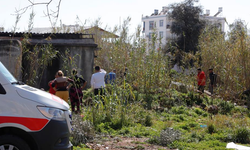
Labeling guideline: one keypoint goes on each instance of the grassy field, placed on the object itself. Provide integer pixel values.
(182, 120)
(146, 104)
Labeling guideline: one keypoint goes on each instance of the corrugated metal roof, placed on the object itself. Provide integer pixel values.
(46, 35)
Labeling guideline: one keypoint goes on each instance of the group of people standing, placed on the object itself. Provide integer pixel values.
(71, 87)
(201, 80)
(66, 88)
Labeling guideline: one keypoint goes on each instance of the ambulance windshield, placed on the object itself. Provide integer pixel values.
(6, 73)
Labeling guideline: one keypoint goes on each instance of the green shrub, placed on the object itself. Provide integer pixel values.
(211, 128)
(179, 118)
(173, 73)
(154, 140)
(202, 145)
(185, 126)
(143, 118)
(166, 102)
(104, 128)
(193, 114)
(141, 131)
(116, 124)
(124, 131)
(198, 111)
(193, 124)
(225, 107)
(148, 101)
(240, 109)
(179, 110)
(193, 98)
(242, 135)
(148, 121)
(222, 136)
(205, 114)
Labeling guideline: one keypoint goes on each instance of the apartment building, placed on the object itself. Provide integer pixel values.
(158, 25)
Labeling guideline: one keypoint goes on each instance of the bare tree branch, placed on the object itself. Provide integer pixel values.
(49, 13)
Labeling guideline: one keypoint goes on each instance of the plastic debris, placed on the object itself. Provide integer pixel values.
(203, 126)
(236, 146)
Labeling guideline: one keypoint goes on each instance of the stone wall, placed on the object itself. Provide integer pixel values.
(11, 56)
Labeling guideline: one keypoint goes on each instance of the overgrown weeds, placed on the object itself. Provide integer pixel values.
(228, 56)
(144, 102)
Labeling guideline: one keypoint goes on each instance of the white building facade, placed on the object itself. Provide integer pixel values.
(158, 26)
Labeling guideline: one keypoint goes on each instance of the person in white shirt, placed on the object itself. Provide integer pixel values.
(97, 81)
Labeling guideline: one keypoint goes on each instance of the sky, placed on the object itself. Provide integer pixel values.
(110, 13)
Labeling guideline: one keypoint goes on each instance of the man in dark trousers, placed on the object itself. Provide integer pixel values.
(97, 81)
(212, 77)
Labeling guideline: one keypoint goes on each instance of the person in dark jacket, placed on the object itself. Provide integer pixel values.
(212, 77)
(75, 92)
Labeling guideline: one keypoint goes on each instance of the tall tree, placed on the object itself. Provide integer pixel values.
(186, 24)
(237, 29)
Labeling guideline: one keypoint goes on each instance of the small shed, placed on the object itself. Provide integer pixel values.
(78, 48)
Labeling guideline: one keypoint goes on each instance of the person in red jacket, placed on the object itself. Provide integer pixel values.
(51, 90)
(201, 79)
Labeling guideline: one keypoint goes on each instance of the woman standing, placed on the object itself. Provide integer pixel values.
(60, 85)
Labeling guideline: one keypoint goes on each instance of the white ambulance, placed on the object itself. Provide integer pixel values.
(31, 119)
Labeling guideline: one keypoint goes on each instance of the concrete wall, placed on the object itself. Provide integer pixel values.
(83, 62)
(86, 57)
(82, 50)
(11, 56)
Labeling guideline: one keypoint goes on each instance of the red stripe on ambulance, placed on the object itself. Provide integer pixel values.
(34, 124)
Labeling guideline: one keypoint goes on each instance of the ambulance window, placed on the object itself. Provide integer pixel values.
(2, 90)
(6, 73)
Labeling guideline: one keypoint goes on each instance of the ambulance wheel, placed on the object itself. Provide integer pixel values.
(11, 142)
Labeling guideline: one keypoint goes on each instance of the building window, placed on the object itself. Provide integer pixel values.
(168, 26)
(161, 34)
(161, 23)
(151, 25)
(143, 26)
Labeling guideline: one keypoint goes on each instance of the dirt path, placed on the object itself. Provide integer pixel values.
(125, 143)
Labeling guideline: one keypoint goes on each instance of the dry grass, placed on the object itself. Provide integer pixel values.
(229, 57)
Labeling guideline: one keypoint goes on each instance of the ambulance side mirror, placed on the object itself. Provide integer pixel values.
(2, 90)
